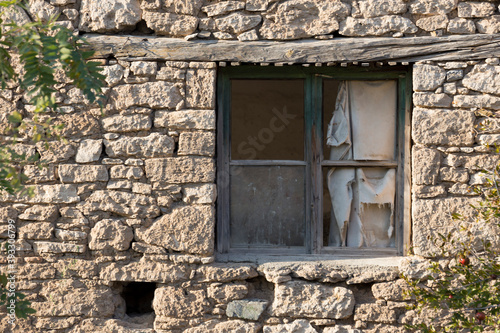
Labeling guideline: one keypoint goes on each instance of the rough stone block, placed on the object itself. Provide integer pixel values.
(191, 119)
(120, 203)
(39, 174)
(69, 235)
(75, 173)
(46, 194)
(180, 303)
(432, 23)
(456, 175)
(236, 23)
(443, 127)
(304, 299)
(55, 151)
(129, 123)
(427, 77)
(483, 78)
(426, 99)
(153, 145)
(127, 172)
(78, 125)
(490, 25)
(57, 248)
(186, 229)
(200, 194)
(89, 151)
(216, 326)
(114, 74)
(36, 230)
(377, 26)
(375, 313)
(227, 292)
(109, 15)
(461, 26)
(169, 24)
(160, 94)
(146, 271)
(475, 9)
(429, 191)
(432, 6)
(477, 101)
(425, 164)
(200, 88)
(147, 68)
(301, 19)
(226, 272)
(197, 143)
(299, 325)
(110, 234)
(368, 8)
(181, 169)
(391, 291)
(246, 309)
(454, 75)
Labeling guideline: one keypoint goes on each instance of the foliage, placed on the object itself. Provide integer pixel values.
(41, 49)
(463, 285)
(22, 306)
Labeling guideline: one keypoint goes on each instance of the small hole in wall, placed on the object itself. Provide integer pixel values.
(138, 298)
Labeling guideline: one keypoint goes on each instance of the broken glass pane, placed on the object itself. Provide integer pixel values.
(267, 120)
(267, 206)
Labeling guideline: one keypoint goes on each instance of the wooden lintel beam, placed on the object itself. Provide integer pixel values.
(406, 49)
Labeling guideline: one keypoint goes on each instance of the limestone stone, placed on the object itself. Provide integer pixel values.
(55, 323)
(180, 303)
(296, 19)
(110, 234)
(304, 299)
(368, 8)
(141, 188)
(57, 247)
(461, 26)
(427, 99)
(425, 162)
(450, 88)
(186, 229)
(391, 291)
(479, 178)
(148, 249)
(429, 191)
(127, 172)
(190, 119)
(119, 184)
(55, 151)
(200, 194)
(227, 292)
(169, 24)
(42, 10)
(129, 123)
(415, 267)
(66, 298)
(171, 74)
(483, 78)
(114, 74)
(68, 235)
(477, 101)
(78, 125)
(248, 309)
(432, 6)
(443, 127)
(224, 7)
(248, 36)
(299, 325)
(181, 169)
(368, 274)
(489, 139)
(75, 173)
(226, 272)
(456, 175)
(236, 23)
(454, 75)
(432, 23)
(120, 203)
(200, 88)
(109, 15)
(39, 173)
(36, 230)
(433, 216)
(462, 189)
(489, 25)
(376, 26)
(7, 213)
(153, 145)
(46, 194)
(341, 329)
(427, 77)
(89, 151)
(160, 94)
(471, 9)
(146, 68)
(144, 271)
(375, 313)
(215, 326)
(15, 14)
(258, 5)
(191, 7)
(197, 143)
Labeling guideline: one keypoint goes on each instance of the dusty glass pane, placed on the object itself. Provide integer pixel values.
(267, 120)
(359, 119)
(267, 206)
(358, 207)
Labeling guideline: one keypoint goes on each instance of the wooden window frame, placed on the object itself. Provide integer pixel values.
(313, 78)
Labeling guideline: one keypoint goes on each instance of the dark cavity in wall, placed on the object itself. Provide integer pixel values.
(138, 297)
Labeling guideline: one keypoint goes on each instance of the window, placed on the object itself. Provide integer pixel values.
(311, 160)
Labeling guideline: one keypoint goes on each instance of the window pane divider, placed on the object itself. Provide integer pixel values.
(386, 164)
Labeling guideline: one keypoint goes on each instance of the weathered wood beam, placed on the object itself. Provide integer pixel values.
(407, 49)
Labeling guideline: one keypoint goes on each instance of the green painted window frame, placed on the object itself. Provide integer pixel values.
(313, 77)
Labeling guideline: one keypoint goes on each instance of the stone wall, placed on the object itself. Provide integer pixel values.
(130, 196)
(274, 19)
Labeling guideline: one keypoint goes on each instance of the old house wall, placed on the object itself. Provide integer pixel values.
(130, 196)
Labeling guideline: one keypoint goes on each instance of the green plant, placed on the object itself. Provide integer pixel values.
(463, 287)
(40, 49)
